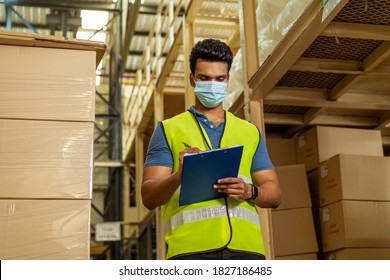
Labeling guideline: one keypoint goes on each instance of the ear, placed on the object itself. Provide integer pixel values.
(192, 82)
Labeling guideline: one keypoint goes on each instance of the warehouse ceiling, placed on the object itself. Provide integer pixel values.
(65, 18)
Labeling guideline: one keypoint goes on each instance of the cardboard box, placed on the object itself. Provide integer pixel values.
(294, 185)
(44, 229)
(46, 159)
(354, 177)
(322, 142)
(355, 224)
(281, 151)
(360, 254)
(47, 83)
(29, 39)
(293, 232)
(309, 256)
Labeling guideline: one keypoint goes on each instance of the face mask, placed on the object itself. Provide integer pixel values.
(210, 93)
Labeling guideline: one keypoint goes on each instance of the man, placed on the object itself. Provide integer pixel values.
(225, 228)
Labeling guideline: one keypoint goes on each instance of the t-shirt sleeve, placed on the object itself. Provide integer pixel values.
(158, 153)
(261, 160)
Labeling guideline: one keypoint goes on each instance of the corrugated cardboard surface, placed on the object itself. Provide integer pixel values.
(355, 224)
(294, 185)
(306, 149)
(293, 232)
(360, 254)
(281, 151)
(309, 256)
(354, 177)
(46, 159)
(47, 83)
(44, 229)
(322, 142)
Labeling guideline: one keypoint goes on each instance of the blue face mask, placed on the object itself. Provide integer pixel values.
(210, 93)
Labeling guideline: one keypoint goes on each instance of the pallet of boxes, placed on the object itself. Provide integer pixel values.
(349, 180)
(47, 112)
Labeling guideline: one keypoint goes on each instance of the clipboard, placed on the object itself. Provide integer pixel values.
(202, 170)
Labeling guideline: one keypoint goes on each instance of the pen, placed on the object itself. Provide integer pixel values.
(185, 144)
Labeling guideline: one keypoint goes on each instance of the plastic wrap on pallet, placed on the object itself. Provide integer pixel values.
(274, 20)
(329, 6)
(47, 83)
(46, 159)
(44, 229)
(236, 81)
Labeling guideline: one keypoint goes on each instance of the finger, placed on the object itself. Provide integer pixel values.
(220, 189)
(191, 150)
(230, 180)
(235, 197)
(234, 186)
(236, 191)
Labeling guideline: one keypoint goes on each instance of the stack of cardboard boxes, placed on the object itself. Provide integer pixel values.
(292, 222)
(47, 111)
(293, 228)
(333, 156)
(354, 193)
(350, 191)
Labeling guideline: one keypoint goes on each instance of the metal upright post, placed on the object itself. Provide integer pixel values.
(8, 12)
(115, 134)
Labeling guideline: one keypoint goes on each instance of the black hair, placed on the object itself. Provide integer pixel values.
(211, 50)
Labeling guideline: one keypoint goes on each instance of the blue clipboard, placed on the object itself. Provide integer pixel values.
(202, 170)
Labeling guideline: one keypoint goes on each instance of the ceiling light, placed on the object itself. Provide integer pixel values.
(93, 19)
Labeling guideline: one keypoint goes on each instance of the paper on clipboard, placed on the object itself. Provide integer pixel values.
(202, 170)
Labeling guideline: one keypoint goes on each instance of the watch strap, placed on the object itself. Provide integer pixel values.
(255, 192)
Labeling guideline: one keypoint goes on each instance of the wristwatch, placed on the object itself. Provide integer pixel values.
(255, 192)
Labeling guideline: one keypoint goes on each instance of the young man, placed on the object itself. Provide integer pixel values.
(225, 228)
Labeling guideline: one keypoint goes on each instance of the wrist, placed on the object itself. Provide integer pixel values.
(253, 192)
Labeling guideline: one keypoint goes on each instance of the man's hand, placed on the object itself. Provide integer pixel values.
(186, 151)
(234, 188)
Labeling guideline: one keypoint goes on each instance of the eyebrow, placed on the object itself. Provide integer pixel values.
(209, 77)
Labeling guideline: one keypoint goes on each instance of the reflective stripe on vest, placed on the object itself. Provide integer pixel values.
(209, 213)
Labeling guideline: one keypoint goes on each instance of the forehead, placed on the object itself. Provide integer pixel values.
(210, 68)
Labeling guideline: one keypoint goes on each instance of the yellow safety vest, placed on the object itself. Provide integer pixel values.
(205, 226)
